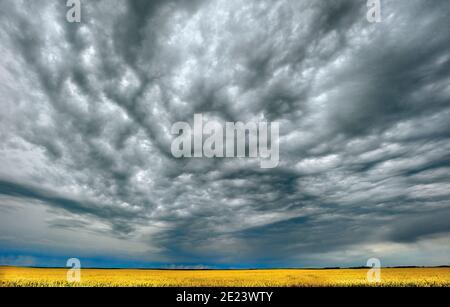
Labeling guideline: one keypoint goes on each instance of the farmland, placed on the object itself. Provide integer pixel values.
(403, 277)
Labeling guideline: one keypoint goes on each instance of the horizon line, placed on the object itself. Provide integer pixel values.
(227, 269)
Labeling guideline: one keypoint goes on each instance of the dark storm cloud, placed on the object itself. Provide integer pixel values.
(114, 215)
(415, 227)
(364, 108)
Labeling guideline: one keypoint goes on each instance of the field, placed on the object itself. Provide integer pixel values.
(404, 277)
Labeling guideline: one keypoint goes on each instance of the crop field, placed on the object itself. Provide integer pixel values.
(403, 277)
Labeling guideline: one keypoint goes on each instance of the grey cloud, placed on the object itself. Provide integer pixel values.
(363, 110)
(114, 215)
(413, 228)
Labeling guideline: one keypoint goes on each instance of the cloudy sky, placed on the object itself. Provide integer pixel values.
(86, 111)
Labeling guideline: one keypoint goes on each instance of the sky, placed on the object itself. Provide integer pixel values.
(86, 169)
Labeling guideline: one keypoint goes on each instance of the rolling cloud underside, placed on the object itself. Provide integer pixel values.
(363, 110)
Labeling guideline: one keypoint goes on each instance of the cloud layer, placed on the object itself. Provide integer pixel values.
(363, 108)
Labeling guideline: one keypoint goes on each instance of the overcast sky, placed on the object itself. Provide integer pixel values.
(86, 111)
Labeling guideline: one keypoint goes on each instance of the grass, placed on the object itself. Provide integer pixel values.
(391, 277)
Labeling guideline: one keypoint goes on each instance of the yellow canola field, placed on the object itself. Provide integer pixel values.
(403, 277)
